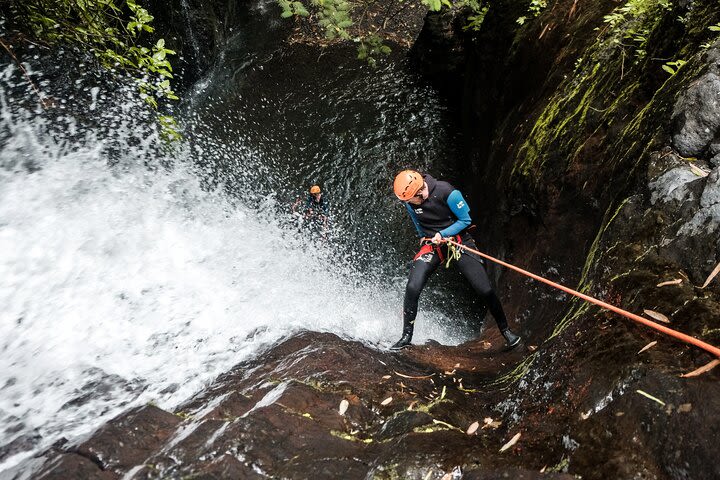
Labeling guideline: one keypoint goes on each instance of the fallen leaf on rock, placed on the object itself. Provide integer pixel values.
(410, 376)
(490, 423)
(656, 316)
(647, 395)
(485, 345)
(712, 275)
(698, 171)
(386, 401)
(684, 408)
(647, 347)
(385, 377)
(703, 369)
(344, 404)
(586, 415)
(677, 281)
(457, 365)
(512, 442)
(619, 414)
(542, 470)
(450, 372)
(532, 348)
(473, 428)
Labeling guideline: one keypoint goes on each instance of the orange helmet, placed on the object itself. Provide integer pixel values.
(314, 189)
(407, 184)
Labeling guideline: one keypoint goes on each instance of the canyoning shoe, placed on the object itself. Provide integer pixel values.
(404, 342)
(511, 340)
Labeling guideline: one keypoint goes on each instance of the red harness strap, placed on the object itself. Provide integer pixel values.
(429, 247)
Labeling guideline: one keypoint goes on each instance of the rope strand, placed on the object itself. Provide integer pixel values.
(661, 328)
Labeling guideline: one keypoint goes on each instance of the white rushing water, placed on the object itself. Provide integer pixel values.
(120, 285)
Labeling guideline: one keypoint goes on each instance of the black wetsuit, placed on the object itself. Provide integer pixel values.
(315, 208)
(431, 216)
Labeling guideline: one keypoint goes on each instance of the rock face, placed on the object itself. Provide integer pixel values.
(407, 417)
(278, 417)
(580, 169)
(696, 117)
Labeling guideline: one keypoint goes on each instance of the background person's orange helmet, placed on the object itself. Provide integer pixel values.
(314, 189)
(407, 183)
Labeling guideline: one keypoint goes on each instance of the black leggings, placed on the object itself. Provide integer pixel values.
(470, 266)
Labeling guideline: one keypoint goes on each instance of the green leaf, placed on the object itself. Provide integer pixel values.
(669, 69)
(286, 14)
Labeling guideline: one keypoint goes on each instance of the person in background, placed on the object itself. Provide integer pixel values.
(438, 210)
(314, 208)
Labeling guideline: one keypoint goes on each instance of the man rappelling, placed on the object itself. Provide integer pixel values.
(438, 211)
(313, 209)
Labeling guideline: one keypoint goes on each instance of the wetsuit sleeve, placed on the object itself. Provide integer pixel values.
(460, 209)
(415, 220)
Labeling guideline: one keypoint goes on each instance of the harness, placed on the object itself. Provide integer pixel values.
(429, 248)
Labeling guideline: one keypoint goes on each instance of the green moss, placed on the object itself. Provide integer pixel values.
(577, 310)
(607, 82)
(437, 426)
(519, 371)
(349, 437)
(427, 408)
(591, 256)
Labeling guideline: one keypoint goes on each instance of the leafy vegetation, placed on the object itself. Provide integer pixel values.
(114, 32)
(713, 28)
(338, 19)
(534, 9)
(673, 67)
(634, 21)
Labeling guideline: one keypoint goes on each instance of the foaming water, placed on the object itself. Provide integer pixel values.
(122, 284)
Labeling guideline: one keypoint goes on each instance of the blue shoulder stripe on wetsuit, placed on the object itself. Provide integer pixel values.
(460, 209)
(415, 220)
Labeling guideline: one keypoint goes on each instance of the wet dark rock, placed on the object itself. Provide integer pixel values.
(696, 117)
(402, 423)
(439, 51)
(76, 467)
(128, 439)
(515, 474)
(278, 416)
(696, 121)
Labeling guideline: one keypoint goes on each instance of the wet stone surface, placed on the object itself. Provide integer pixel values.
(278, 417)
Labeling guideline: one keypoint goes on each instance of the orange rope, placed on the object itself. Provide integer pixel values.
(668, 331)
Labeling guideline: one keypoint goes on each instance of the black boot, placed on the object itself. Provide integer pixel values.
(511, 339)
(403, 342)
